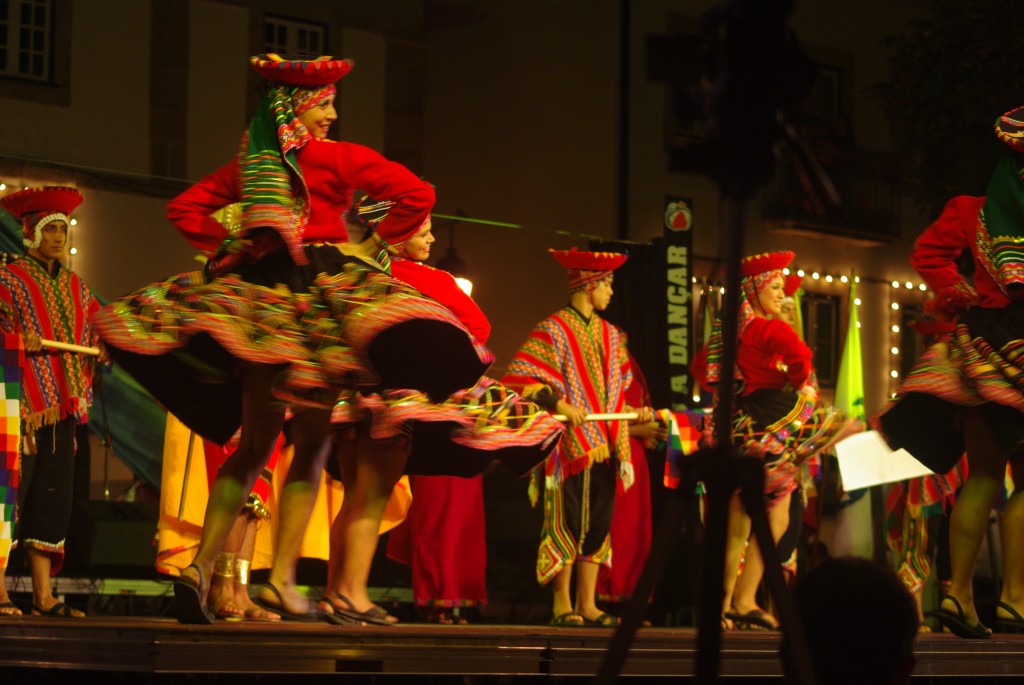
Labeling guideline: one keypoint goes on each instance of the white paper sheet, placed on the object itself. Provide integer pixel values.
(865, 459)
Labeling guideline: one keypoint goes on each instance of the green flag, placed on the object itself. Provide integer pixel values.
(850, 385)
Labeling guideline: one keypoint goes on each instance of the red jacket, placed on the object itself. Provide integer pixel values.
(769, 355)
(332, 171)
(936, 249)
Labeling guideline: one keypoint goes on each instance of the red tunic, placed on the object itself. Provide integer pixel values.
(332, 171)
(769, 355)
(937, 248)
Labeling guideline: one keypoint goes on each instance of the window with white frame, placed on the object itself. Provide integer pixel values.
(26, 35)
(292, 37)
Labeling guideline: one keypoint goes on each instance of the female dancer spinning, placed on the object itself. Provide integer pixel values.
(267, 326)
(778, 416)
(966, 391)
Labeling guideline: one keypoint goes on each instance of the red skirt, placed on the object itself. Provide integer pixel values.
(443, 540)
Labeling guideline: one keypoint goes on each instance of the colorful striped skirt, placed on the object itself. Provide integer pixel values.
(980, 365)
(330, 325)
(788, 431)
(461, 436)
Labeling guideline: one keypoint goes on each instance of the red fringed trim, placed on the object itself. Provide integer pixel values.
(576, 466)
(73, 406)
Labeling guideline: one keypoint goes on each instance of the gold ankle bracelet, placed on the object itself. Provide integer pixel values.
(242, 567)
(224, 566)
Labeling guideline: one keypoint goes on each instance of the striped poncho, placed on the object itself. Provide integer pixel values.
(586, 364)
(57, 307)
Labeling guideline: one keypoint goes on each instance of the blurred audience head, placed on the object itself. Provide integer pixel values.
(860, 622)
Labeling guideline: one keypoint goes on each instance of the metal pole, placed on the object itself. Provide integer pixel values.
(188, 468)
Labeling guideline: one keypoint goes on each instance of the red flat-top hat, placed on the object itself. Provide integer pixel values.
(766, 262)
(1010, 129)
(38, 206)
(50, 199)
(307, 73)
(587, 267)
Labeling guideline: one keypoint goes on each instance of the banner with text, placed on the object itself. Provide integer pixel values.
(678, 312)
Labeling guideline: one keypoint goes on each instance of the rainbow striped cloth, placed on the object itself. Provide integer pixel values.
(684, 433)
(10, 433)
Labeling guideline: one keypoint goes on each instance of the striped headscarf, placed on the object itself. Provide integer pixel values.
(274, 193)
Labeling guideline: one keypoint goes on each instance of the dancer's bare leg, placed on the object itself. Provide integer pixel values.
(368, 473)
(311, 431)
(561, 586)
(243, 566)
(221, 600)
(969, 520)
(744, 598)
(6, 598)
(737, 534)
(345, 453)
(1012, 535)
(586, 589)
(40, 563)
(261, 424)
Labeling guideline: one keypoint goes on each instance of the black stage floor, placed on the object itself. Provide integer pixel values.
(142, 650)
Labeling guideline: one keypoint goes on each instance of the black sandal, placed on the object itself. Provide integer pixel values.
(58, 610)
(1014, 624)
(189, 606)
(310, 616)
(957, 622)
(755, 619)
(602, 621)
(570, 619)
(342, 615)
